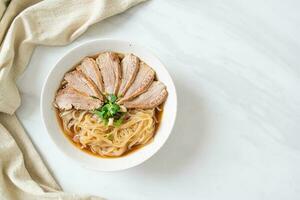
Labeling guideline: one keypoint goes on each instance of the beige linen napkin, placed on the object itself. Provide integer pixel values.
(23, 25)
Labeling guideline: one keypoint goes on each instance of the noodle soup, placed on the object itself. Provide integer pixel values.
(70, 133)
(110, 104)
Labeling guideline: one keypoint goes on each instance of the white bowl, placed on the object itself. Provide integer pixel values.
(66, 63)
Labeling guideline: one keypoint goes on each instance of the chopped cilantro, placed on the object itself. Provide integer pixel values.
(119, 121)
(110, 110)
(112, 98)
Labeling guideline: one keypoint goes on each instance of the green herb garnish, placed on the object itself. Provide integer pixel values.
(112, 98)
(110, 110)
(119, 121)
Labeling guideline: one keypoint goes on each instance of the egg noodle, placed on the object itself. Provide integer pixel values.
(89, 132)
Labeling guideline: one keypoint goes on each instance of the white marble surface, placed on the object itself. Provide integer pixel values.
(236, 66)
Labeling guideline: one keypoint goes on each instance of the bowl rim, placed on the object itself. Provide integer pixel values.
(62, 57)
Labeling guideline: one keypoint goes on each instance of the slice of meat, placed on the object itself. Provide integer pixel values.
(90, 69)
(109, 65)
(143, 80)
(129, 67)
(154, 96)
(68, 98)
(80, 82)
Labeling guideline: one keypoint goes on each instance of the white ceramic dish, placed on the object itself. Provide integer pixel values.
(66, 63)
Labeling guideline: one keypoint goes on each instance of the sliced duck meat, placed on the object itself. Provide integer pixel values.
(68, 98)
(77, 80)
(110, 69)
(143, 80)
(129, 68)
(153, 97)
(90, 69)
